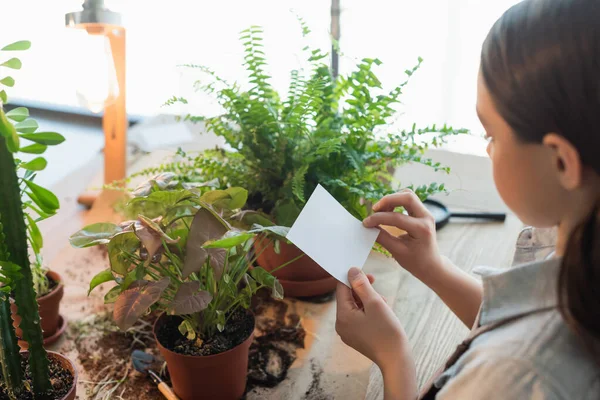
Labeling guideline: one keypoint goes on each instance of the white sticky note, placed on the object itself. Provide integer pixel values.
(331, 236)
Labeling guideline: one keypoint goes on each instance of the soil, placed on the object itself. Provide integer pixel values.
(315, 390)
(238, 328)
(61, 379)
(52, 284)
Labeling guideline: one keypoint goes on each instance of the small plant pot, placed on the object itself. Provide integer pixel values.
(217, 377)
(53, 324)
(68, 365)
(302, 278)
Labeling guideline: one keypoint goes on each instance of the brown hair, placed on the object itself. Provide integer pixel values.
(541, 65)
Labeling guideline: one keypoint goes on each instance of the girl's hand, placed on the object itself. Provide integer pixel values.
(365, 322)
(416, 251)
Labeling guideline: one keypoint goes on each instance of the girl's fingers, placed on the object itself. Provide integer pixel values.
(345, 298)
(407, 223)
(407, 199)
(371, 278)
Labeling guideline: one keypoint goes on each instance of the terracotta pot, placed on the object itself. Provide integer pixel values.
(53, 324)
(302, 278)
(69, 366)
(218, 377)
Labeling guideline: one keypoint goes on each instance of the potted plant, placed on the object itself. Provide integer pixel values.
(327, 130)
(35, 374)
(185, 255)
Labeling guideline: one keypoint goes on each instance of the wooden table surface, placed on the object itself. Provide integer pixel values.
(433, 330)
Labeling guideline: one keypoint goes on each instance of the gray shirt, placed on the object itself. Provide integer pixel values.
(537, 357)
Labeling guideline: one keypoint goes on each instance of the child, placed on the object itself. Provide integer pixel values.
(536, 328)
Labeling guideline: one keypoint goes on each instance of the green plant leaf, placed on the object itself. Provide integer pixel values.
(3, 96)
(8, 81)
(13, 63)
(151, 235)
(186, 329)
(27, 126)
(35, 148)
(120, 247)
(8, 131)
(264, 278)
(35, 234)
(230, 239)
(238, 195)
(277, 230)
(37, 164)
(214, 195)
(44, 196)
(111, 296)
(17, 46)
(190, 299)
(94, 234)
(249, 218)
(133, 303)
(10, 270)
(205, 226)
(100, 278)
(46, 138)
(286, 212)
(18, 114)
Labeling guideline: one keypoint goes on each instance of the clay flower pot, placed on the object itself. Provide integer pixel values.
(53, 324)
(218, 377)
(302, 278)
(69, 366)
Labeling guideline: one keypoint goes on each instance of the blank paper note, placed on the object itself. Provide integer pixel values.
(331, 236)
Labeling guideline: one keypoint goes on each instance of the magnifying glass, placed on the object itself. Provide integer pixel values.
(442, 214)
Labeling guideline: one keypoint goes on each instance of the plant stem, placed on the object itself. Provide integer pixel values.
(10, 359)
(13, 222)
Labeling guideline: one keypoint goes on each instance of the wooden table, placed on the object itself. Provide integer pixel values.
(432, 329)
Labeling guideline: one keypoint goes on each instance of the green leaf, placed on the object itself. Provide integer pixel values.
(277, 230)
(264, 278)
(8, 81)
(112, 295)
(44, 196)
(119, 248)
(37, 164)
(36, 235)
(46, 138)
(18, 114)
(8, 131)
(13, 63)
(17, 46)
(100, 278)
(94, 234)
(187, 330)
(34, 148)
(10, 270)
(229, 240)
(286, 212)
(27, 126)
(238, 195)
(3, 96)
(133, 303)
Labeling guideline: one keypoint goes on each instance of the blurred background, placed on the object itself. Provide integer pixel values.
(161, 35)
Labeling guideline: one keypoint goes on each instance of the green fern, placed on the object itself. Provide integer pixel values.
(324, 130)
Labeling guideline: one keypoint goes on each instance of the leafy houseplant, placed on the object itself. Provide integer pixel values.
(327, 130)
(186, 255)
(17, 277)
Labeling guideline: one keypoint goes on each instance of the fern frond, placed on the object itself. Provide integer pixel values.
(299, 182)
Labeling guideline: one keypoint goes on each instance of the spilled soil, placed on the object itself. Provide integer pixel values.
(105, 352)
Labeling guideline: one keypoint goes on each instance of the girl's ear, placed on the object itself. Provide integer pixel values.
(566, 161)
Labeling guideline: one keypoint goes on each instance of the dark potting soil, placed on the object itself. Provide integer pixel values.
(278, 336)
(52, 284)
(238, 328)
(315, 390)
(60, 378)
